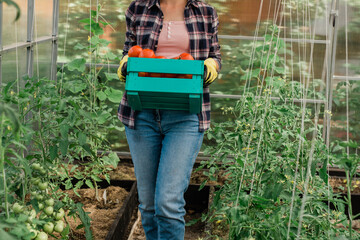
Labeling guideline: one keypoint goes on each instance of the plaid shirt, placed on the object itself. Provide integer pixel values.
(144, 21)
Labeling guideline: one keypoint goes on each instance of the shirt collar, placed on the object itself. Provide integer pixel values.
(157, 3)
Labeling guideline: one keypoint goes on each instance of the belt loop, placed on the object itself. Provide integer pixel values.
(157, 115)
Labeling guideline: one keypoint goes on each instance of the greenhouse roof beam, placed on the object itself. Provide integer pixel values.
(13, 47)
(242, 37)
(346, 78)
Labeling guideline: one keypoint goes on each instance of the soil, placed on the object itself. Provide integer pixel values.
(102, 212)
(193, 232)
(339, 185)
(124, 171)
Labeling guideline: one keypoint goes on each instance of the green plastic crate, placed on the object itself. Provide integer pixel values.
(165, 93)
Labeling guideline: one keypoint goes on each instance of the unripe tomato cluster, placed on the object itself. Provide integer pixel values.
(137, 51)
(45, 205)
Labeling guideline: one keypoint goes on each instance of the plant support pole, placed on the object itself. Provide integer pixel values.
(54, 44)
(29, 38)
(1, 23)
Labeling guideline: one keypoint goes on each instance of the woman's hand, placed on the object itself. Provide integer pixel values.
(210, 71)
(122, 70)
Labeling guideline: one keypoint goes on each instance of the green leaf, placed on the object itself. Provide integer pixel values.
(103, 117)
(79, 46)
(104, 23)
(111, 76)
(64, 130)
(94, 28)
(89, 183)
(85, 219)
(104, 42)
(86, 20)
(110, 55)
(93, 13)
(115, 96)
(81, 138)
(76, 64)
(75, 86)
(65, 232)
(15, 5)
(111, 159)
(101, 95)
(64, 146)
(87, 148)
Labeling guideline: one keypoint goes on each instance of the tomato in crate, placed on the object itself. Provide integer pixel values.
(172, 92)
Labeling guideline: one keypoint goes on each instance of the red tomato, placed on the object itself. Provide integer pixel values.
(186, 56)
(143, 74)
(135, 51)
(161, 57)
(158, 75)
(147, 53)
(170, 75)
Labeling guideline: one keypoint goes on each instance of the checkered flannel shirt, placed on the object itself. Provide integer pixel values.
(144, 21)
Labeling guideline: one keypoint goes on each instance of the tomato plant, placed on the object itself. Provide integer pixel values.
(270, 156)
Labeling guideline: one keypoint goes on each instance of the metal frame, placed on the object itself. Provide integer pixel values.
(31, 42)
(30, 38)
(242, 37)
(1, 23)
(330, 55)
(54, 45)
(344, 78)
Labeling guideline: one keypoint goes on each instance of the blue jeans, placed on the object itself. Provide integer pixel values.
(163, 146)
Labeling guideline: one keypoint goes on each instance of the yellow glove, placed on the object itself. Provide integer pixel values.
(122, 70)
(210, 71)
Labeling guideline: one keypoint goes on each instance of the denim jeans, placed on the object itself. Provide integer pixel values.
(163, 146)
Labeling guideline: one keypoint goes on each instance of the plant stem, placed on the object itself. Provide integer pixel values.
(96, 191)
(2, 168)
(348, 180)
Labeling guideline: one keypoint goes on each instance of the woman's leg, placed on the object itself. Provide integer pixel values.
(145, 148)
(180, 146)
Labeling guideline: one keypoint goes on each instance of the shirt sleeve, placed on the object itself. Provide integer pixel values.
(130, 36)
(215, 46)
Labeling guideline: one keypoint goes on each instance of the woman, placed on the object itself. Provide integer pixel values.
(164, 143)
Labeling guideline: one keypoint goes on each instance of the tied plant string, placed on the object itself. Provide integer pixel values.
(67, 27)
(327, 10)
(347, 113)
(253, 50)
(347, 73)
(300, 146)
(268, 101)
(310, 73)
(268, 104)
(258, 94)
(251, 62)
(259, 89)
(36, 45)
